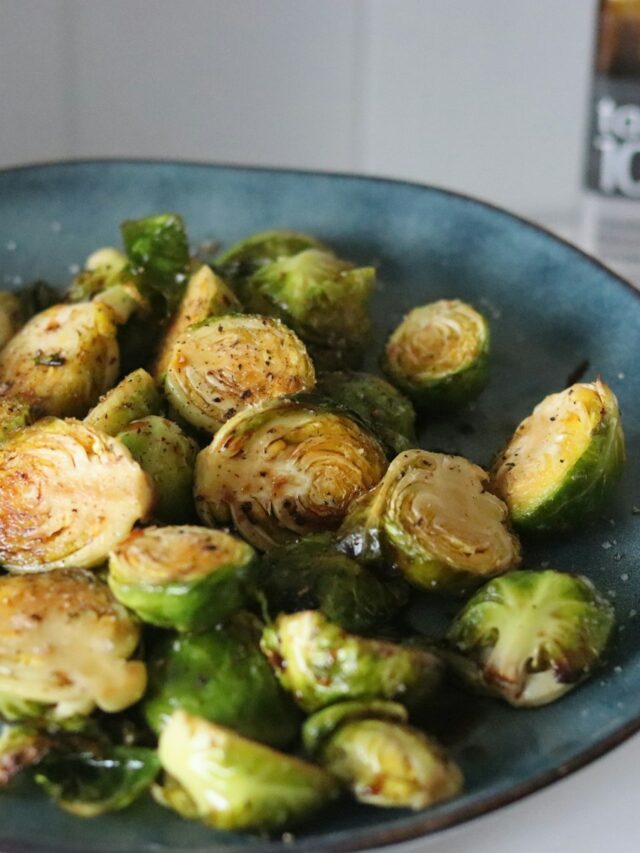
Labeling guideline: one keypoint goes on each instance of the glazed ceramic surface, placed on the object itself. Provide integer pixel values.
(551, 310)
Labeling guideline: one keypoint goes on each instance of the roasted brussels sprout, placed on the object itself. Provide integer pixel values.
(391, 765)
(136, 396)
(563, 460)
(285, 469)
(312, 574)
(63, 359)
(14, 415)
(322, 298)
(102, 270)
(432, 518)
(222, 676)
(10, 316)
(64, 644)
(320, 663)
(168, 456)
(242, 259)
(183, 577)
(231, 363)
(88, 784)
(439, 354)
(230, 782)
(206, 296)
(529, 637)
(381, 406)
(68, 494)
(158, 254)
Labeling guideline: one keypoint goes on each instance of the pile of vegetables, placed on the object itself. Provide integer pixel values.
(211, 524)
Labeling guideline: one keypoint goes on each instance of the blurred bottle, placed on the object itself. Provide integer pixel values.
(611, 209)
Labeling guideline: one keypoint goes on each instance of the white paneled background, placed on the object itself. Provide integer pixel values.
(484, 96)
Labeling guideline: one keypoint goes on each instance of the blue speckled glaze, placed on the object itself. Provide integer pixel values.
(550, 308)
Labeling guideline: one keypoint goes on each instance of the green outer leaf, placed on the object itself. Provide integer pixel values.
(246, 256)
(381, 406)
(223, 677)
(311, 574)
(585, 487)
(88, 785)
(321, 664)
(135, 396)
(233, 783)
(321, 725)
(158, 251)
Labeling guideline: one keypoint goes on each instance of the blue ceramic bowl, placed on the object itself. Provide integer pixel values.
(550, 307)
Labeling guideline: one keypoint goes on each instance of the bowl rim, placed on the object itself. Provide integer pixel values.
(422, 824)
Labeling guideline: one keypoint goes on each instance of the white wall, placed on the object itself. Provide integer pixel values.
(485, 96)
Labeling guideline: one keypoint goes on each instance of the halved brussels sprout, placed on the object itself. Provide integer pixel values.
(14, 415)
(168, 456)
(89, 784)
(222, 676)
(230, 782)
(63, 359)
(319, 727)
(158, 253)
(320, 663)
(529, 637)
(439, 354)
(68, 494)
(10, 316)
(433, 518)
(206, 296)
(285, 469)
(322, 298)
(381, 406)
(103, 269)
(135, 396)
(563, 460)
(183, 577)
(64, 644)
(231, 363)
(311, 574)
(390, 765)
(246, 256)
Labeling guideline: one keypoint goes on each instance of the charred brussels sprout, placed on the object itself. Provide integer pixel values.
(386, 764)
(439, 354)
(68, 494)
(188, 578)
(380, 759)
(322, 298)
(563, 460)
(87, 784)
(14, 416)
(229, 782)
(432, 518)
(63, 359)
(381, 406)
(136, 396)
(64, 644)
(242, 259)
(222, 676)
(312, 574)
(168, 456)
(285, 469)
(158, 254)
(231, 363)
(206, 296)
(10, 316)
(529, 637)
(320, 663)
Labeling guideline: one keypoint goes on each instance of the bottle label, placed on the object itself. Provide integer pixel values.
(613, 160)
